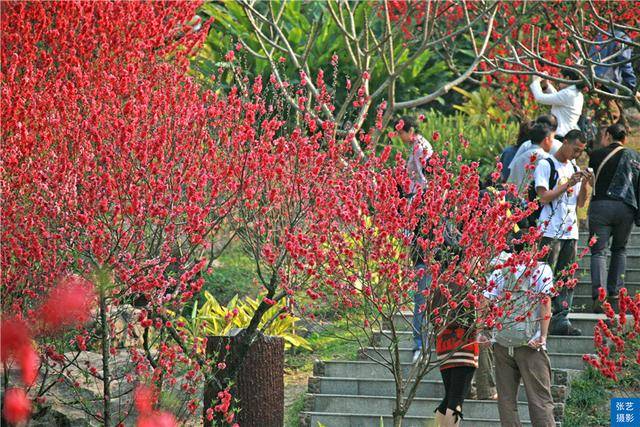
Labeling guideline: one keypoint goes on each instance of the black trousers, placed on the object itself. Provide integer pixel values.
(457, 382)
(609, 219)
(562, 253)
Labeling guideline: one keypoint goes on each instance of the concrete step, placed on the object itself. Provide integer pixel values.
(555, 344)
(332, 419)
(583, 304)
(634, 238)
(384, 405)
(558, 360)
(631, 249)
(587, 321)
(632, 274)
(368, 369)
(633, 260)
(583, 321)
(584, 286)
(386, 387)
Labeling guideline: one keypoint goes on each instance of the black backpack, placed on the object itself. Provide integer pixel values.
(449, 248)
(532, 195)
(588, 128)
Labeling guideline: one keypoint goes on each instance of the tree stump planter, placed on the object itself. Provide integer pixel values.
(259, 385)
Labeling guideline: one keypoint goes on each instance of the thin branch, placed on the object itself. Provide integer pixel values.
(447, 87)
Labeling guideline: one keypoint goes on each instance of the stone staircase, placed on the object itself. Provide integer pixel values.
(361, 393)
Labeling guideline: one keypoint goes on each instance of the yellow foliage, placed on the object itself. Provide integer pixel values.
(212, 318)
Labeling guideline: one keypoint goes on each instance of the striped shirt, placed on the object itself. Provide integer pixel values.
(457, 346)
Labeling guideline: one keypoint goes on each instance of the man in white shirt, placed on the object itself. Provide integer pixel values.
(566, 104)
(520, 350)
(561, 188)
(523, 165)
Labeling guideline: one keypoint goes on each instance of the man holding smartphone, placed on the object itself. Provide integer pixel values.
(562, 188)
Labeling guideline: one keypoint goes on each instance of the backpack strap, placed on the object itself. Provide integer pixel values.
(553, 173)
(606, 159)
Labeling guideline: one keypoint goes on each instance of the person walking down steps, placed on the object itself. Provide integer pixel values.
(614, 207)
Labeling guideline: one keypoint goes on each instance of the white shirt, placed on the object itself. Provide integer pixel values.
(558, 219)
(524, 164)
(555, 146)
(420, 152)
(566, 104)
(540, 282)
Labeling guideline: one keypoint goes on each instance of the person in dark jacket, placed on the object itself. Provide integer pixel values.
(614, 208)
(509, 153)
(613, 58)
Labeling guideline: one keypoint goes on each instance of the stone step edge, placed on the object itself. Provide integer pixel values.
(572, 316)
(405, 332)
(585, 233)
(309, 402)
(404, 349)
(305, 418)
(559, 376)
(559, 391)
(385, 349)
(422, 399)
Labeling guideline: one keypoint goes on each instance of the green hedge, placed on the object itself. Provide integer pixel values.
(484, 142)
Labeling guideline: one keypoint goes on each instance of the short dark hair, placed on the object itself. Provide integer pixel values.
(572, 75)
(539, 132)
(550, 120)
(575, 135)
(523, 131)
(408, 122)
(617, 131)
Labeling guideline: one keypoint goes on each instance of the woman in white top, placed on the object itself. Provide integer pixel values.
(566, 103)
(420, 148)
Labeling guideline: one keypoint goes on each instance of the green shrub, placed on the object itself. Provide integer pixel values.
(292, 414)
(588, 402)
(485, 142)
(480, 107)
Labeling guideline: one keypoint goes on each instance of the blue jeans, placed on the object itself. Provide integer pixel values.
(418, 317)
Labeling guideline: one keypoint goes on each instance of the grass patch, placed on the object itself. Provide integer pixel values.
(234, 274)
(588, 402)
(292, 416)
(333, 341)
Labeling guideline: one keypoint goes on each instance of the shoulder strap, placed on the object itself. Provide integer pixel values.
(606, 159)
(553, 174)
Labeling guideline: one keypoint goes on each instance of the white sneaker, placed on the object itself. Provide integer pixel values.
(417, 354)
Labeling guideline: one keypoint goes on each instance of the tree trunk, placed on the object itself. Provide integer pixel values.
(106, 373)
(258, 384)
